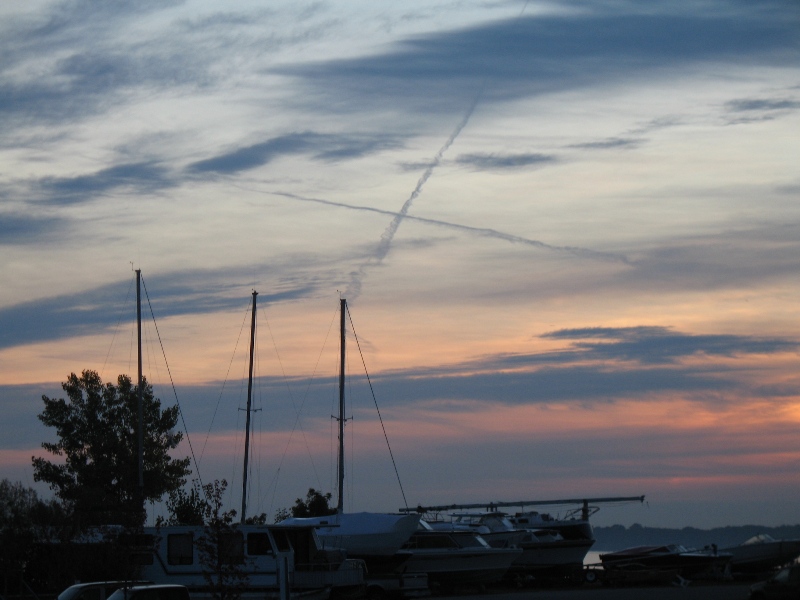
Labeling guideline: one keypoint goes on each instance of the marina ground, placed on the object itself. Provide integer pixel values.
(732, 591)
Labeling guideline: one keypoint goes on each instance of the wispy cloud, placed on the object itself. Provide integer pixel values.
(603, 364)
(28, 229)
(610, 143)
(328, 147)
(133, 178)
(490, 162)
(533, 55)
(663, 345)
(746, 110)
(178, 293)
(762, 104)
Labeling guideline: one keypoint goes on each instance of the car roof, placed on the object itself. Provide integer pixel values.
(156, 586)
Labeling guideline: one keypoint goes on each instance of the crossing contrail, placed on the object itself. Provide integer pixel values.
(353, 289)
(482, 231)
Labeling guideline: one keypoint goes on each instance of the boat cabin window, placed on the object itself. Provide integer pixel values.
(258, 544)
(180, 548)
(282, 540)
(432, 541)
(231, 547)
(470, 541)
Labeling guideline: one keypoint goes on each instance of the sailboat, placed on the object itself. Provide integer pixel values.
(279, 561)
(364, 534)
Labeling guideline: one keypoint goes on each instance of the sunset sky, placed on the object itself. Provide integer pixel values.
(568, 233)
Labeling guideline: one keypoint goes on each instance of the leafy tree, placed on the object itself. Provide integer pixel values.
(185, 508)
(256, 519)
(316, 504)
(97, 429)
(24, 520)
(192, 507)
(221, 547)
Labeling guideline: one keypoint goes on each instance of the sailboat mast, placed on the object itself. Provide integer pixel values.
(343, 310)
(140, 408)
(249, 403)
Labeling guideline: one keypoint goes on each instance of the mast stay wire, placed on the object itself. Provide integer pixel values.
(117, 327)
(297, 423)
(375, 400)
(298, 412)
(172, 382)
(224, 383)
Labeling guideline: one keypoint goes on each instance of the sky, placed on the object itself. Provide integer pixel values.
(567, 231)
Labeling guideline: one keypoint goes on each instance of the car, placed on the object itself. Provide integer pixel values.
(96, 590)
(784, 584)
(152, 592)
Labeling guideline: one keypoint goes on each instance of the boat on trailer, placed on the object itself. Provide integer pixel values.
(374, 537)
(455, 558)
(552, 548)
(688, 563)
(762, 553)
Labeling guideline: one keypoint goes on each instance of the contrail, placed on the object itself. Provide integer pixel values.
(482, 231)
(353, 289)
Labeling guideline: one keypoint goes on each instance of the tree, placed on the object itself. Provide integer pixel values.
(316, 504)
(97, 428)
(221, 547)
(24, 520)
(185, 508)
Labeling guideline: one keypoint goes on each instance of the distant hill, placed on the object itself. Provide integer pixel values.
(618, 537)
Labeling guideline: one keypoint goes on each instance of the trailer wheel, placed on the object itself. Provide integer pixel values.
(590, 576)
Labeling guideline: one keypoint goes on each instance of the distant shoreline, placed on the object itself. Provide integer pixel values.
(618, 537)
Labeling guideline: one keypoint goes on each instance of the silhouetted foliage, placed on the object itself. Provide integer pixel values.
(25, 520)
(97, 430)
(221, 548)
(316, 504)
(185, 508)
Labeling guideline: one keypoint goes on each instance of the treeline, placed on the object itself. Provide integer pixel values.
(618, 537)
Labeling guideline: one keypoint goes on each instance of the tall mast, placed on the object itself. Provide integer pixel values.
(249, 402)
(343, 310)
(140, 408)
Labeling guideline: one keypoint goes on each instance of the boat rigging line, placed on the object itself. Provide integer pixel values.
(374, 399)
(171, 380)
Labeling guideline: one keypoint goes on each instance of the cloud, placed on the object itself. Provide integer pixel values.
(177, 293)
(662, 345)
(327, 147)
(610, 143)
(133, 178)
(718, 260)
(150, 177)
(75, 79)
(28, 229)
(748, 110)
(489, 162)
(602, 364)
(533, 55)
(762, 104)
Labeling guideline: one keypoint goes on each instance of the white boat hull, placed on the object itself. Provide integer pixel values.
(362, 534)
